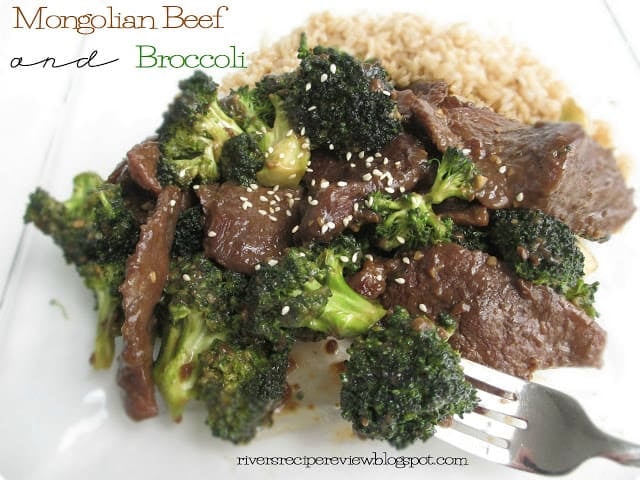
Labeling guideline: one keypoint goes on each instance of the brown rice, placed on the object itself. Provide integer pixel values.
(491, 71)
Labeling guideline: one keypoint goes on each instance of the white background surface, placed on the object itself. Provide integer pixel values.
(60, 419)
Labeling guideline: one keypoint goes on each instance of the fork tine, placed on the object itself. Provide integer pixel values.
(472, 445)
(507, 385)
(498, 407)
(485, 428)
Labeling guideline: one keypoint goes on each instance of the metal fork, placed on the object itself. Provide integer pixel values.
(530, 427)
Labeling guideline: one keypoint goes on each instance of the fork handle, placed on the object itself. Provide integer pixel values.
(621, 451)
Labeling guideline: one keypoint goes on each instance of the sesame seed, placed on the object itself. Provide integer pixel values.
(263, 198)
(182, 173)
(348, 156)
(186, 277)
(344, 259)
(342, 183)
(361, 154)
(331, 225)
(332, 68)
(257, 267)
(386, 92)
(354, 257)
(369, 257)
(331, 147)
(390, 190)
(172, 203)
(152, 276)
(285, 310)
(247, 205)
(295, 229)
(211, 234)
(366, 177)
(400, 240)
(307, 87)
(520, 197)
(400, 281)
(262, 212)
(311, 108)
(324, 184)
(196, 187)
(289, 133)
(422, 307)
(272, 218)
(502, 169)
(324, 77)
(345, 221)
(273, 262)
(302, 131)
(406, 260)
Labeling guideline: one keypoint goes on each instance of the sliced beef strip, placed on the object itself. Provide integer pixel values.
(247, 226)
(146, 274)
(503, 322)
(371, 279)
(552, 166)
(337, 187)
(142, 162)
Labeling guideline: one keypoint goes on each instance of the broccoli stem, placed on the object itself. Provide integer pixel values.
(346, 313)
(108, 319)
(176, 369)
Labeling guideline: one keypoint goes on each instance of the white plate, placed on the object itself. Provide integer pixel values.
(59, 419)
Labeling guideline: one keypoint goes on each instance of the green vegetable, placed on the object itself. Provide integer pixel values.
(306, 291)
(543, 250)
(202, 302)
(194, 129)
(401, 380)
(241, 385)
(340, 102)
(96, 233)
(409, 220)
(267, 153)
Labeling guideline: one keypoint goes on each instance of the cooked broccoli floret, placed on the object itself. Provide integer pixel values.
(403, 378)
(201, 305)
(191, 137)
(267, 153)
(96, 233)
(104, 280)
(306, 291)
(189, 234)
(340, 102)
(241, 159)
(582, 295)
(241, 385)
(409, 220)
(540, 247)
